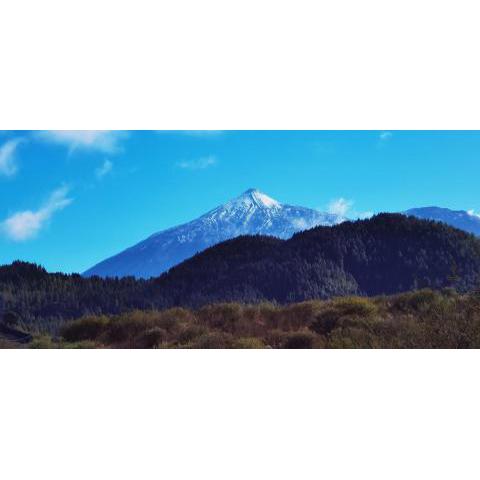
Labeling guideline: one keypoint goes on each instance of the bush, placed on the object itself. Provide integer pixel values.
(42, 342)
(214, 340)
(300, 340)
(223, 316)
(325, 322)
(298, 315)
(5, 344)
(86, 328)
(275, 338)
(190, 333)
(129, 326)
(418, 301)
(249, 342)
(152, 338)
(85, 344)
(355, 306)
(172, 319)
(346, 311)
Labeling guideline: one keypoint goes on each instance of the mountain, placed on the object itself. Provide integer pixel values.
(456, 218)
(252, 213)
(386, 254)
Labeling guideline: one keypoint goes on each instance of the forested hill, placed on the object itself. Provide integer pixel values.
(386, 254)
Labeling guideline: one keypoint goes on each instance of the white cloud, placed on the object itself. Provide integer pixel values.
(472, 213)
(384, 136)
(340, 206)
(104, 169)
(344, 208)
(197, 164)
(26, 224)
(364, 215)
(300, 223)
(105, 141)
(8, 165)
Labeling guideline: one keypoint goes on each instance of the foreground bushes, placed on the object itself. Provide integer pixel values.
(420, 319)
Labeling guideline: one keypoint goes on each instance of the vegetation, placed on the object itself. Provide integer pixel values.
(419, 319)
(269, 289)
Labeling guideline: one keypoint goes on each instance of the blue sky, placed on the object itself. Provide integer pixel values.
(70, 199)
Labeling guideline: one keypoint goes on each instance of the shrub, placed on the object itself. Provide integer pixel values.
(275, 338)
(249, 342)
(5, 344)
(84, 344)
(325, 322)
(353, 337)
(152, 338)
(190, 333)
(86, 328)
(418, 301)
(223, 316)
(128, 326)
(346, 311)
(172, 319)
(355, 306)
(300, 340)
(42, 342)
(298, 315)
(214, 340)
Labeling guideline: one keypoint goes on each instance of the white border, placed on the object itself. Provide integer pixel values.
(260, 414)
(255, 64)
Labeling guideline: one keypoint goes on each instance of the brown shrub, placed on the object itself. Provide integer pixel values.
(86, 328)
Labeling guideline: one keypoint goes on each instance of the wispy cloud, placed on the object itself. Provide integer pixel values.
(340, 206)
(198, 163)
(26, 224)
(364, 215)
(104, 141)
(385, 136)
(8, 164)
(105, 169)
(344, 208)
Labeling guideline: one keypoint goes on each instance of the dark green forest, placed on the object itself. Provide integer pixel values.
(385, 255)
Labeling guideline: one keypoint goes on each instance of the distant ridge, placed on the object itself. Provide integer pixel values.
(461, 219)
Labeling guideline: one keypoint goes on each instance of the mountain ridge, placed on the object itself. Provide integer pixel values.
(462, 219)
(386, 254)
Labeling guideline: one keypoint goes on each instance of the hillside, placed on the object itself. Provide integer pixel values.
(387, 254)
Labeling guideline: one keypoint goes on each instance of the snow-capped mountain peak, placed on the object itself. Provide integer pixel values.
(261, 199)
(253, 212)
(252, 198)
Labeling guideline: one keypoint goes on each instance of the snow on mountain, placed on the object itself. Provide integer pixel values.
(461, 219)
(251, 213)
